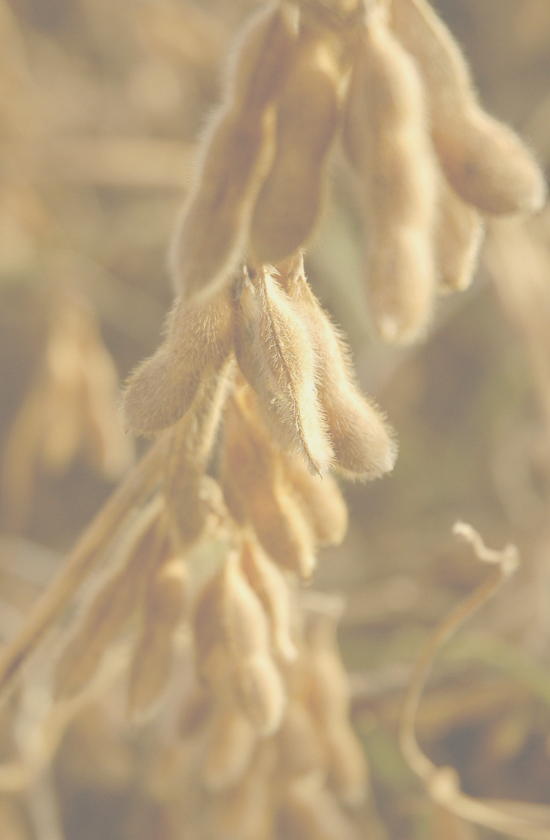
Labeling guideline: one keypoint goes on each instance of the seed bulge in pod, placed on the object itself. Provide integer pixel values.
(274, 353)
(484, 160)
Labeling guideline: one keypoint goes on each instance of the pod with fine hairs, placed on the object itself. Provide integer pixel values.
(237, 152)
(165, 602)
(290, 200)
(199, 339)
(363, 443)
(274, 353)
(484, 160)
(254, 491)
(457, 239)
(389, 144)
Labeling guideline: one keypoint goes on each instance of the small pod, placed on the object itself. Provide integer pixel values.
(457, 239)
(165, 602)
(261, 693)
(289, 203)
(244, 620)
(484, 160)
(231, 744)
(254, 492)
(321, 500)
(389, 142)
(271, 587)
(112, 606)
(362, 441)
(274, 353)
(186, 490)
(237, 152)
(199, 339)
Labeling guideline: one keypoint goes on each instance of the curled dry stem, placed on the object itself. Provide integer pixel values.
(442, 783)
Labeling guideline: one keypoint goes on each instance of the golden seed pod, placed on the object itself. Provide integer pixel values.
(261, 693)
(289, 203)
(301, 747)
(244, 619)
(274, 353)
(165, 603)
(199, 338)
(254, 491)
(457, 239)
(484, 160)
(112, 606)
(362, 441)
(310, 812)
(237, 152)
(321, 500)
(271, 587)
(231, 743)
(189, 495)
(387, 131)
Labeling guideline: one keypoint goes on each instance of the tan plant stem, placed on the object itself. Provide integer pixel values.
(442, 783)
(133, 490)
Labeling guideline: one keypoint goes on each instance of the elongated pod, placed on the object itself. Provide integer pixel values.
(388, 142)
(457, 239)
(237, 153)
(363, 443)
(274, 353)
(199, 338)
(483, 159)
(289, 203)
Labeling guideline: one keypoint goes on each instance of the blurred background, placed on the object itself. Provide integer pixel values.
(101, 104)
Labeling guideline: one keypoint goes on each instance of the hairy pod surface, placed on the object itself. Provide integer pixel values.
(362, 442)
(199, 339)
(290, 200)
(484, 160)
(458, 238)
(321, 500)
(212, 232)
(389, 143)
(165, 603)
(271, 587)
(253, 486)
(274, 353)
(187, 493)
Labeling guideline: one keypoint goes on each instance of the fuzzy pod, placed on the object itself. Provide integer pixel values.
(254, 491)
(457, 239)
(112, 606)
(261, 693)
(165, 604)
(363, 443)
(321, 500)
(271, 587)
(199, 339)
(388, 130)
(484, 160)
(274, 354)
(244, 619)
(237, 152)
(289, 203)
(186, 491)
(310, 812)
(231, 743)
